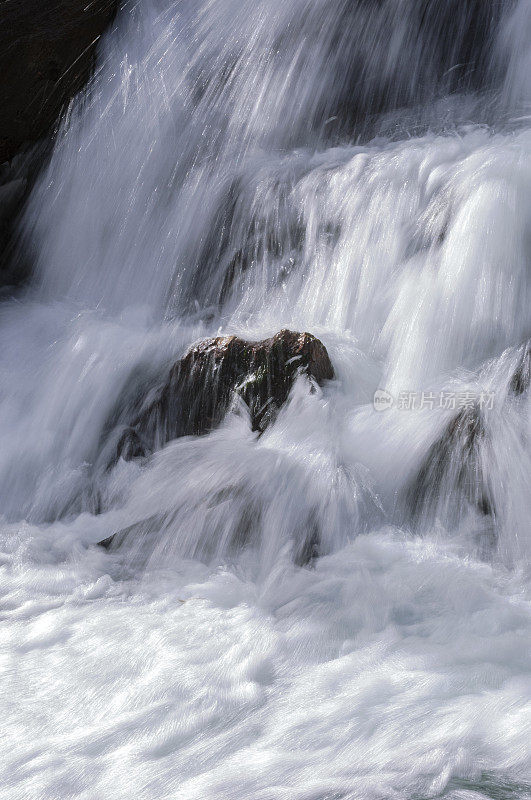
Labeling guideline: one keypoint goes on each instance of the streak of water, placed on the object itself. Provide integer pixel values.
(361, 170)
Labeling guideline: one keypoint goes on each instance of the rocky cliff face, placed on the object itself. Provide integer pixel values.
(46, 56)
(46, 52)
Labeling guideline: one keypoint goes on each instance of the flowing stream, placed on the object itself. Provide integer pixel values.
(358, 169)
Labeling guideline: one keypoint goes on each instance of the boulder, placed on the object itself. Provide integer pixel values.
(198, 392)
(200, 387)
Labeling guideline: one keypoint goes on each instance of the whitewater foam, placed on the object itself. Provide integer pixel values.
(358, 170)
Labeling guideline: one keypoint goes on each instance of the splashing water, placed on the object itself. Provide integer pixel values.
(360, 170)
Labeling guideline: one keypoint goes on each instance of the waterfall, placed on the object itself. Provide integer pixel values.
(357, 169)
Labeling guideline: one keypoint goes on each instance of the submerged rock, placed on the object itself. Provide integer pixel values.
(522, 377)
(200, 387)
(452, 477)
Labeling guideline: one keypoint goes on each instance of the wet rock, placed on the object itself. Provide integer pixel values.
(127, 445)
(522, 377)
(12, 195)
(201, 386)
(16, 180)
(194, 398)
(452, 476)
(46, 55)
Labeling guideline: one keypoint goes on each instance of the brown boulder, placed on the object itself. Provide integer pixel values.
(199, 390)
(200, 387)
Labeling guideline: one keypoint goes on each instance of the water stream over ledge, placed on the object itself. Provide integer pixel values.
(359, 170)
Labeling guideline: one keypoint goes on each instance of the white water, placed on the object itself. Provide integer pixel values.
(360, 182)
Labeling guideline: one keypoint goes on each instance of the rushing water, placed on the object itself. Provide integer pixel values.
(360, 169)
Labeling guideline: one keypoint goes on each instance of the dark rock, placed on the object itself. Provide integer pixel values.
(451, 477)
(108, 543)
(16, 180)
(201, 386)
(197, 394)
(522, 377)
(10, 195)
(128, 445)
(144, 530)
(46, 55)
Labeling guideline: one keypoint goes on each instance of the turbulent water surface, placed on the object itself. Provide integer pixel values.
(360, 169)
